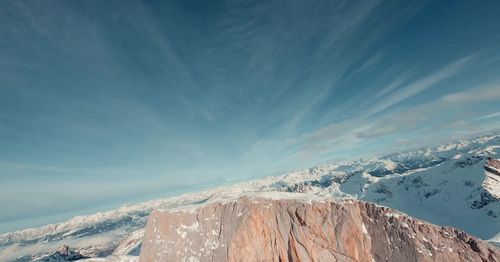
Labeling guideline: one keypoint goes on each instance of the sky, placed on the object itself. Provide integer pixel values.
(108, 102)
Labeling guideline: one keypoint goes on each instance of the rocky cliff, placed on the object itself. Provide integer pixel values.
(290, 227)
(63, 253)
(492, 177)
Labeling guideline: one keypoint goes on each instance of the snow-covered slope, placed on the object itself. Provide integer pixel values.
(443, 185)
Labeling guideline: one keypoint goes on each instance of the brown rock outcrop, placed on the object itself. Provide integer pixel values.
(254, 228)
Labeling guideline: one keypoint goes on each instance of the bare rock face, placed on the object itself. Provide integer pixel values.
(492, 177)
(256, 228)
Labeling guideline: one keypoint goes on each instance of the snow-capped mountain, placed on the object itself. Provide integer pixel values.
(443, 185)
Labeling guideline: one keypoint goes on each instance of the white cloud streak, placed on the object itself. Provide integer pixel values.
(422, 84)
(492, 115)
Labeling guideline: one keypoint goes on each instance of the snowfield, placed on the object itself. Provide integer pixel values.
(442, 185)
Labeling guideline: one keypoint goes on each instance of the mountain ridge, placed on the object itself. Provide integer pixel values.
(421, 178)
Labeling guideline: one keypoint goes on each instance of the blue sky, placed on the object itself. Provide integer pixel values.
(107, 102)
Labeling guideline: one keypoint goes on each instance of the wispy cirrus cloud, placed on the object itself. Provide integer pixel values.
(457, 117)
(489, 93)
(422, 84)
(492, 115)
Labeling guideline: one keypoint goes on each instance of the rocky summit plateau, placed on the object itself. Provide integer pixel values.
(296, 227)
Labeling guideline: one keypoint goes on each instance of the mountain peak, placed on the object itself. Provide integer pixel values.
(63, 253)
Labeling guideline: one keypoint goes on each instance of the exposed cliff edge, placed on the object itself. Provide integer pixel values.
(290, 227)
(492, 177)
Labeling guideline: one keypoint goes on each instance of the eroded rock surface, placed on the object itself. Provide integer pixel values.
(256, 228)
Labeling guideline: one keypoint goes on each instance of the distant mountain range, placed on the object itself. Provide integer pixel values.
(454, 185)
